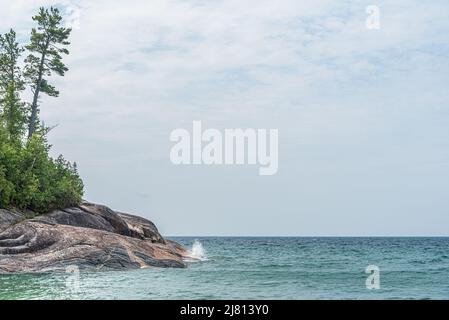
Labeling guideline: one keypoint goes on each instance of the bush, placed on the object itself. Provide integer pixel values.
(31, 179)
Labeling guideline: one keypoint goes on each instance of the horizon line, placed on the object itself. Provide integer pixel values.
(307, 236)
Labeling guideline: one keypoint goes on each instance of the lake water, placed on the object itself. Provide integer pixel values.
(264, 268)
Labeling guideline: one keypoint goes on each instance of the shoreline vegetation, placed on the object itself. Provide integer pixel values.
(29, 178)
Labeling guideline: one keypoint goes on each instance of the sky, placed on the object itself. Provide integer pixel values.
(362, 113)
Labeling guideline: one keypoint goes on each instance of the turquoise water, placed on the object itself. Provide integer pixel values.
(265, 268)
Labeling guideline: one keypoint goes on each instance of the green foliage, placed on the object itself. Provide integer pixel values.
(13, 113)
(29, 177)
(48, 42)
(10, 52)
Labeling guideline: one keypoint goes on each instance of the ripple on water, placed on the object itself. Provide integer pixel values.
(264, 268)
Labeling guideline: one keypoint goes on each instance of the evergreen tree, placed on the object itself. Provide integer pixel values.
(13, 111)
(48, 43)
(14, 114)
(10, 52)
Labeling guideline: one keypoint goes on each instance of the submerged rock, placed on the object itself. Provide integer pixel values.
(89, 236)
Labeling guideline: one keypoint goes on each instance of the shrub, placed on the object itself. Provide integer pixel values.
(31, 179)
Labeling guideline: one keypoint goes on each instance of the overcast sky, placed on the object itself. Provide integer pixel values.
(363, 115)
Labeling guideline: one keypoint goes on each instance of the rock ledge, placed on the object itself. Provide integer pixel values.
(90, 236)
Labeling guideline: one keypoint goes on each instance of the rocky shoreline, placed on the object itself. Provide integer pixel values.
(89, 236)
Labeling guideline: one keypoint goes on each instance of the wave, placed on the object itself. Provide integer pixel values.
(197, 252)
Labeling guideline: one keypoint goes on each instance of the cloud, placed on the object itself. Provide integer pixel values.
(139, 69)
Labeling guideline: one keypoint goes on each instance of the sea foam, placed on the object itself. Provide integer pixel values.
(197, 253)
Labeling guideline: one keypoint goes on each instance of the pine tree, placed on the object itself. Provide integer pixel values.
(48, 43)
(9, 69)
(13, 112)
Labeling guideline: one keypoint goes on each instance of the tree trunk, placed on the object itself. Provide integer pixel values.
(33, 118)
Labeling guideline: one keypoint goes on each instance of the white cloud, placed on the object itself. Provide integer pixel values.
(140, 68)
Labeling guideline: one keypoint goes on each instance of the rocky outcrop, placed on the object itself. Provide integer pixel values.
(89, 236)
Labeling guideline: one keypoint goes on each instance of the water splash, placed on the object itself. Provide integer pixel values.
(197, 253)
